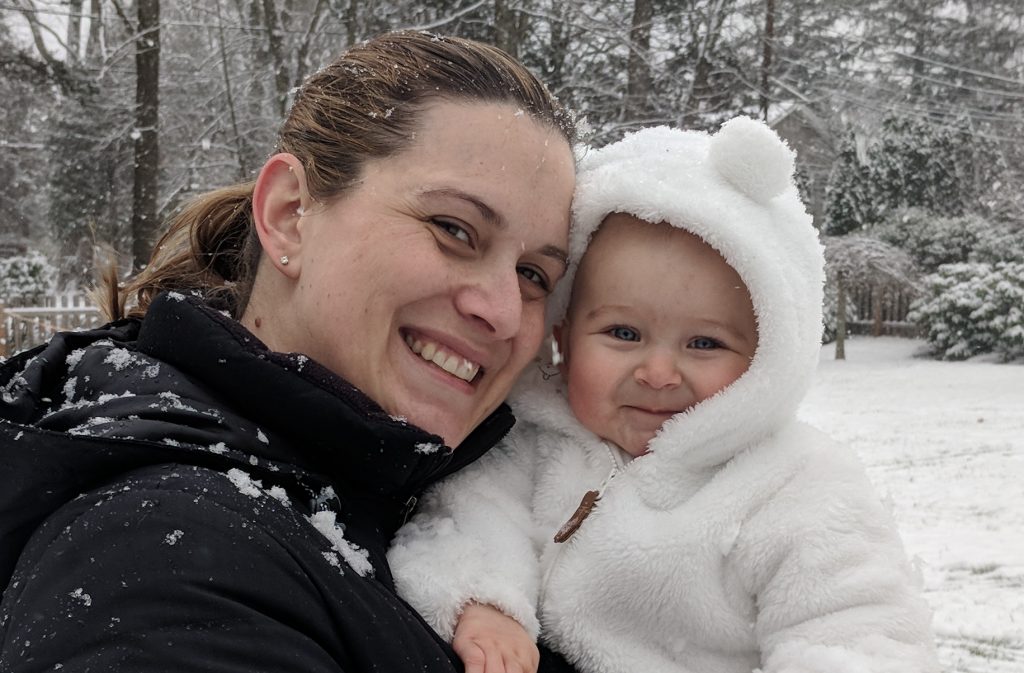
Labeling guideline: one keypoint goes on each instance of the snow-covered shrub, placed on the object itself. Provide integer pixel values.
(972, 308)
(930, 240)
(863, 262)
(26, 278)
(998, 244)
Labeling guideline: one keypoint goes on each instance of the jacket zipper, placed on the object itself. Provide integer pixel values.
(587, 504)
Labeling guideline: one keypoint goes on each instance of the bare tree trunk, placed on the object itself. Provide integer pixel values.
(147, 145)
(302, 65)
(510, 25)
(504, 28)
(766, 60)
(281, 78)
(93, 47)
(352, 22)
(638, 86)
(74, 29)
(877, 295)
(704, 43)
(241, 146)
(918, 19)
(560, 37)
(840, 316)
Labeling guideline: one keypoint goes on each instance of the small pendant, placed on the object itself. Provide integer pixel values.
(590, 499)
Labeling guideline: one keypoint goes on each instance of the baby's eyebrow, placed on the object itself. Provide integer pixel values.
(606, 308)
(728, 327)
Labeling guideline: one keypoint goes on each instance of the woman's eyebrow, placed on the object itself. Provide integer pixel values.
(486, 211)
(491, 217)
(556, 253)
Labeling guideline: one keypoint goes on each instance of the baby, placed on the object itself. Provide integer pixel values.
(659, 507)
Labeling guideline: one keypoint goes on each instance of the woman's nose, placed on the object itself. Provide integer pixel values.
(658, 370)
(494, 301)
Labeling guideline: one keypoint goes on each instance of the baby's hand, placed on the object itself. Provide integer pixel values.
(489, 641)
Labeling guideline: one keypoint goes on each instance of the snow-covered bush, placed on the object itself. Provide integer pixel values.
(972, 308)
(912, 163)
(26, 278)
(930, 240)
(863, 262)
(998, 244)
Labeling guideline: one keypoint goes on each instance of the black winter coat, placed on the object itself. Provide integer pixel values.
(176, 497)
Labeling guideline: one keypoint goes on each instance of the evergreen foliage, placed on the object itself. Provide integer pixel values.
(999, 243)
(912, 164)
(931, 240)
(25, 279)
(973, 308)
(849, 201)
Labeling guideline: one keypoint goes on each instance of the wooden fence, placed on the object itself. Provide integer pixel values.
(23, 327)
(880, 311)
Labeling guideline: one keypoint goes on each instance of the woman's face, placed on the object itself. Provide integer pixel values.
(425, 284)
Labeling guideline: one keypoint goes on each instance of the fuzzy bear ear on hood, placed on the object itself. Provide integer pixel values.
(752, 158)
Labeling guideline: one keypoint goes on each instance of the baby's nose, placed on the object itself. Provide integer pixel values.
(659, 370)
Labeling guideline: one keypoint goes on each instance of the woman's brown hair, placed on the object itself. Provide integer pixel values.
(365, 105)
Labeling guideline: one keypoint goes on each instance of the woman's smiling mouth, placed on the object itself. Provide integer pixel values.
(437, 354)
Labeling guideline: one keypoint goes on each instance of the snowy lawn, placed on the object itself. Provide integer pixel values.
(944, 441)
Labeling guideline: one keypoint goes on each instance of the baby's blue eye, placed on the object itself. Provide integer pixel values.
(624, 334)
(705, 343)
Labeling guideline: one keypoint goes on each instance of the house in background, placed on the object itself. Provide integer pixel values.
(808, 134)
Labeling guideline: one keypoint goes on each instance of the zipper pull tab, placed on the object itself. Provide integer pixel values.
(590, 499)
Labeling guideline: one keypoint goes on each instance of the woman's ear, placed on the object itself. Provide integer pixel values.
(279, 200)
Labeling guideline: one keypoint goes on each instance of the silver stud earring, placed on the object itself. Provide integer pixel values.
(284, 260)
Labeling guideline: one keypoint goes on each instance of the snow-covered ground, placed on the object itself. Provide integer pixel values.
(944, 441)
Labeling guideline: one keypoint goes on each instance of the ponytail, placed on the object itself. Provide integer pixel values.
(210, 246)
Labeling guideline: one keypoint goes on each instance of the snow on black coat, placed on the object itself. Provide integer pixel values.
(174, 496)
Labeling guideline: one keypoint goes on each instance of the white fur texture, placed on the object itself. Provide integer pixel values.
(662, 174)
(752, 158)
(744, 540)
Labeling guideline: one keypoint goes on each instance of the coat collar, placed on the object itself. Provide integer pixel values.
(190, 386)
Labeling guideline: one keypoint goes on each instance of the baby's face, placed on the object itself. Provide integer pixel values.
(658, 323)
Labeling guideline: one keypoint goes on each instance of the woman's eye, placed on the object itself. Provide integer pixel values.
(534, 284)
(705, 343)
(452, 229)
(624, 334)
(534, 276)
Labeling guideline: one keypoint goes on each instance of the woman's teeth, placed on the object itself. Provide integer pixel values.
(451, 363)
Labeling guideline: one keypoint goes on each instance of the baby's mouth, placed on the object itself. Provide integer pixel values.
(437, 354)
(652, 411)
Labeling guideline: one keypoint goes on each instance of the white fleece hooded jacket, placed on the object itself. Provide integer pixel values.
(744, 540)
